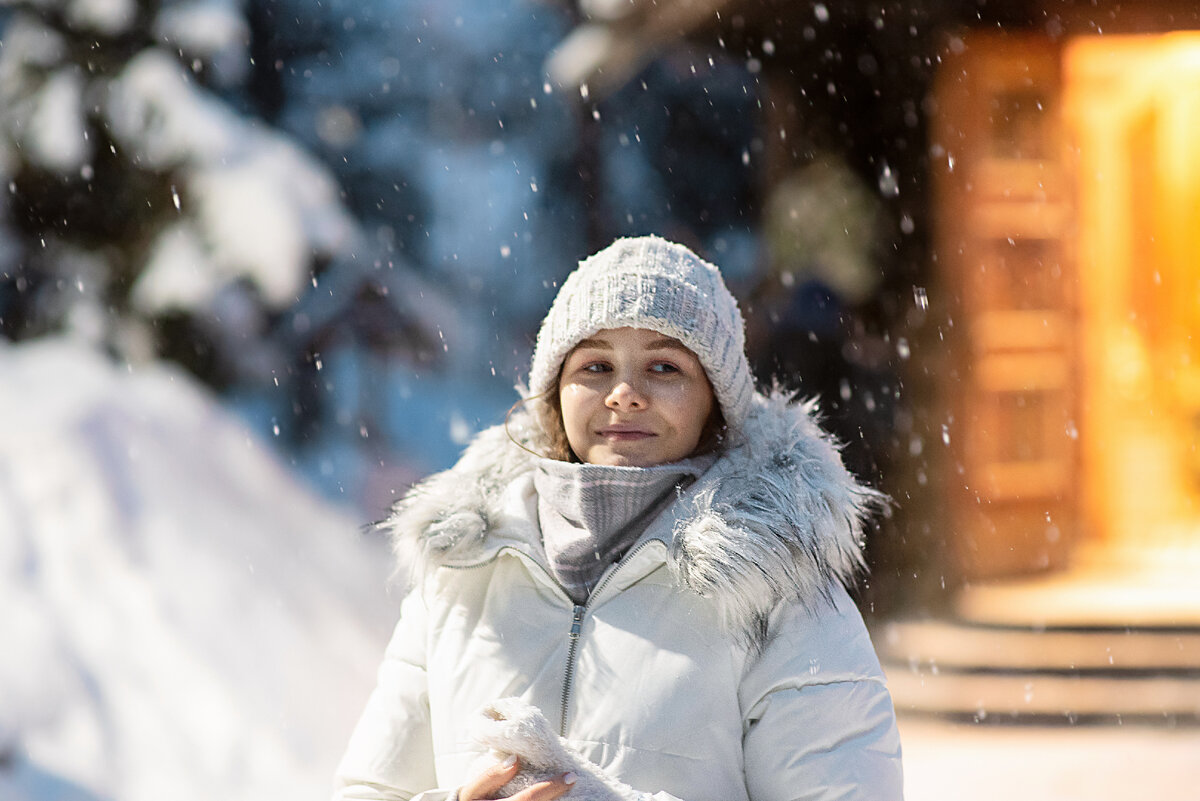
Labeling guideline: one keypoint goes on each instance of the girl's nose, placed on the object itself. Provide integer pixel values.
(625, 395)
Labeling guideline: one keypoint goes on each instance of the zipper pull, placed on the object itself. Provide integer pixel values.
(577, 622)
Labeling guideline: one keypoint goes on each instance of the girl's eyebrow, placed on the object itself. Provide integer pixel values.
(666, 343)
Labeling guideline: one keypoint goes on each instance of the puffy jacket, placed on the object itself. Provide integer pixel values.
(720, 660)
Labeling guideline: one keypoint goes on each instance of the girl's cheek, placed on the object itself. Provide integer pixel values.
(576, 393)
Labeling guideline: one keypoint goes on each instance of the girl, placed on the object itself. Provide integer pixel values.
(649, 551)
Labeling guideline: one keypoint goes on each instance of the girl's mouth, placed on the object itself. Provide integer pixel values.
(622, 434)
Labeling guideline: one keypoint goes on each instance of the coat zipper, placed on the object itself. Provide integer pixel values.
(577, 614)
(572, 647)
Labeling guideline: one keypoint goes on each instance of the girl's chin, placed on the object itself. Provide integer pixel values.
(629, 457)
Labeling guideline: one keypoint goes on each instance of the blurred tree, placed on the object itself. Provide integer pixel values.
(675, 155)
(145, 213)
(454, 151)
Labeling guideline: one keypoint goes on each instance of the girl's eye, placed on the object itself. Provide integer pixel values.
(664, 367)
(596, 367)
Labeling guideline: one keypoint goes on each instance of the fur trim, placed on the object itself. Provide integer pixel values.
(777, 518)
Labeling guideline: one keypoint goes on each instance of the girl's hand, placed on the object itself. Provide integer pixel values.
(492, 779)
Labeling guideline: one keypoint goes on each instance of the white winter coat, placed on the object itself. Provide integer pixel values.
(720, 660)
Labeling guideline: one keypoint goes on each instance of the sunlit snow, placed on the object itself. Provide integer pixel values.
(109, 17)
(263, 207)
(55, 136)
(214, 31)
(176, 274)
(190, 622)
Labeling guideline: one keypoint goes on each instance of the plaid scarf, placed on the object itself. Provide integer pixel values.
(590, 514)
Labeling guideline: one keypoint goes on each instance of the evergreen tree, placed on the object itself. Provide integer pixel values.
(456, 153)
(145, 212)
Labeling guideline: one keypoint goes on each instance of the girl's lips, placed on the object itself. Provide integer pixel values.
(624, 434)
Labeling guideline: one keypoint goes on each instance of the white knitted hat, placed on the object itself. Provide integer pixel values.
(648, 282)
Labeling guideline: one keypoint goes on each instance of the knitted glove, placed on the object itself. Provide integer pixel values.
(512, 727)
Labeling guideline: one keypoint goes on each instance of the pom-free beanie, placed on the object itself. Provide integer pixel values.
(648, 282)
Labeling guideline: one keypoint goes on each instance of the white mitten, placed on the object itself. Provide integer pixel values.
(512, 727)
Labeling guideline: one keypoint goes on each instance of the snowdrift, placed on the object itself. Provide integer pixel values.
(179, 618)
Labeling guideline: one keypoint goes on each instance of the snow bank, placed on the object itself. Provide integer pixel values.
(180, 619)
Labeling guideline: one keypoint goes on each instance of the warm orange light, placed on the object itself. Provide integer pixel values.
(1133, 112)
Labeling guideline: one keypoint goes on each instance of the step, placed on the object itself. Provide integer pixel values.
(1106, 586)
(999, 672)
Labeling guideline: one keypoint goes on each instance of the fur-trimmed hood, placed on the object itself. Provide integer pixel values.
(778, 517)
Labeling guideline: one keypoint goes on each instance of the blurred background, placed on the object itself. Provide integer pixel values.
(265, 263)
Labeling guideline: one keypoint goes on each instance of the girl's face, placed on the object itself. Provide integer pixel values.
(633, 397)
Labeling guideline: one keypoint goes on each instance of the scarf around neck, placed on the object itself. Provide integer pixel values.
(590, 514)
